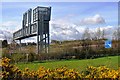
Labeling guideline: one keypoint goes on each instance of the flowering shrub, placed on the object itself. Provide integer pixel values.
(101, 72)
(11, 72)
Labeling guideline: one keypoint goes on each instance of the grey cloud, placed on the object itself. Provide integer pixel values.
(64, 31)
(96, 19)
(5, 35)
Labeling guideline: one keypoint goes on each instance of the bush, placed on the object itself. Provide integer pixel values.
(18, 57)
(31, 57)
(5, 52)
(101, 72)
(11, 72)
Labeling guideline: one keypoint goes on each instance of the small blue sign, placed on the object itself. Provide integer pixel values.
(108, 44)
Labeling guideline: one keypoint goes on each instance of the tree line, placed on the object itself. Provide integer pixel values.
(91, 46)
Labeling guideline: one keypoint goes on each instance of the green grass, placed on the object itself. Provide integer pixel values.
(79, 65)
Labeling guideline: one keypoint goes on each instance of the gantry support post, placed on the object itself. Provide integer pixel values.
(38, 35)
(20, 44)
(41, 33)
(37, 44)
(45, 44)
(48, 35)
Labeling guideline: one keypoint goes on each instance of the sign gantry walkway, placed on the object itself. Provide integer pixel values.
(35, 23)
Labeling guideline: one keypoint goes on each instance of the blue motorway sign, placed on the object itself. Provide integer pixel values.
(108, 44)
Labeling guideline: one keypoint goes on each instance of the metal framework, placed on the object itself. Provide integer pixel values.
(35, 23)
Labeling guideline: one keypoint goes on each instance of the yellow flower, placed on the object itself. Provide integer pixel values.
(26, 69)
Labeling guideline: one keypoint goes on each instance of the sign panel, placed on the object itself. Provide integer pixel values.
(108, 44)
(29, 27)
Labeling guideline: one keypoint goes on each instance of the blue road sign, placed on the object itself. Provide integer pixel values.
(108, 44)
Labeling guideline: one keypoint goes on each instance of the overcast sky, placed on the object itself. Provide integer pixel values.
(68, 19)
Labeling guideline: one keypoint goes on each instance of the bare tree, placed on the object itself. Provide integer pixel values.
(115, 35)
(99, 35)
(103, 34)
(86, 35)
(118, 33)
(86, 44)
